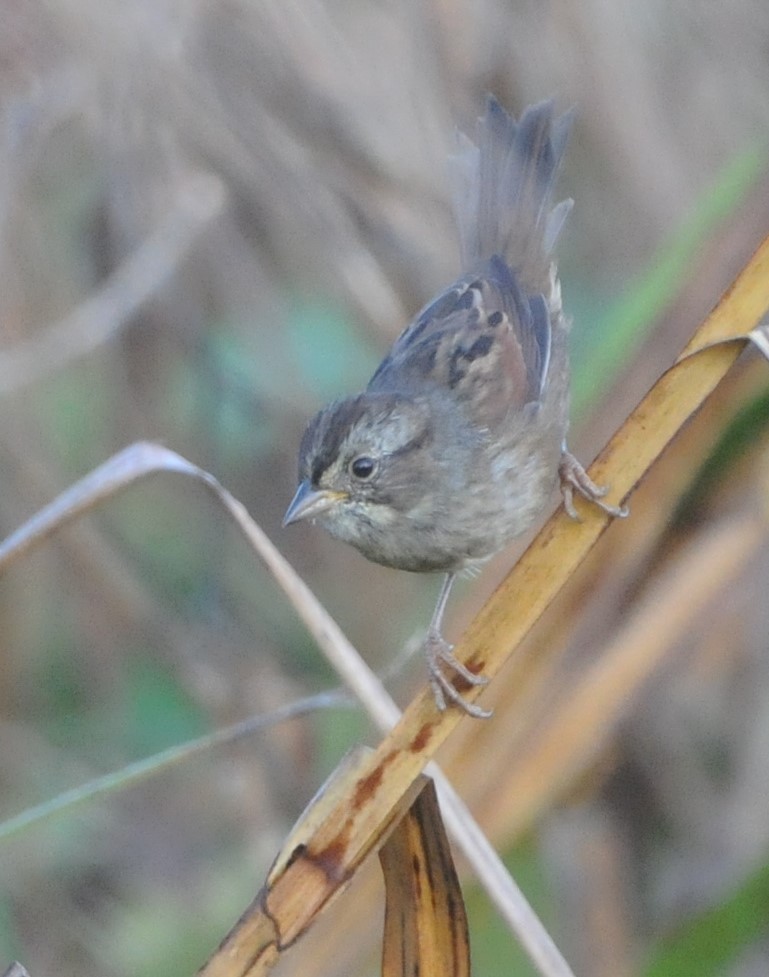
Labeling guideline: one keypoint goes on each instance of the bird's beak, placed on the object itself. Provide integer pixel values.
(309, 502)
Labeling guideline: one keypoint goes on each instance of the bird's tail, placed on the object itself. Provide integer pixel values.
(504, 186)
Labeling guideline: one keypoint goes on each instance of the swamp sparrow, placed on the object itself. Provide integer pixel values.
(455, 445)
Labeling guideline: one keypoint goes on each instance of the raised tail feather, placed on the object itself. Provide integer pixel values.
(504, 186)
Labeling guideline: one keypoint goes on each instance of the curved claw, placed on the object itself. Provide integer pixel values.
(440, 656)
(574, 478)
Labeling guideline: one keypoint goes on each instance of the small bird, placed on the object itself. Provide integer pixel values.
(455, 446)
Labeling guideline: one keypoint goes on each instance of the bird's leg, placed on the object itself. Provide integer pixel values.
(574, 478)
(440, 657)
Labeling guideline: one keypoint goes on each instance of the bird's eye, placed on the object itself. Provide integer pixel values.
(362, 467)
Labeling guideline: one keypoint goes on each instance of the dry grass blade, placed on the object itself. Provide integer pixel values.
(425, 921)
(116, 474)
(267, 926)
(16, 970)
(760, 339)
(143, 459)
(357, 821)
(581, 725)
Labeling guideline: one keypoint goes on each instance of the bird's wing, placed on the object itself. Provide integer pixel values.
(483, 341)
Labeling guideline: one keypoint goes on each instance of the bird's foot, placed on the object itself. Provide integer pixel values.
(574, 478)
(440, 659)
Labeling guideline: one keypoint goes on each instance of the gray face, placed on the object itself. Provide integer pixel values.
(370, 471)
(363, 448)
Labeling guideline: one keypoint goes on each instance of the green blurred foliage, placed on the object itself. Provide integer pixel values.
(154, 712)
(710, 942)
(494, 952)
(611, 332)
(332, 356)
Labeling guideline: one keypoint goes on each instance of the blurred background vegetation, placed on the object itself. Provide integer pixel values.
(215, 217)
